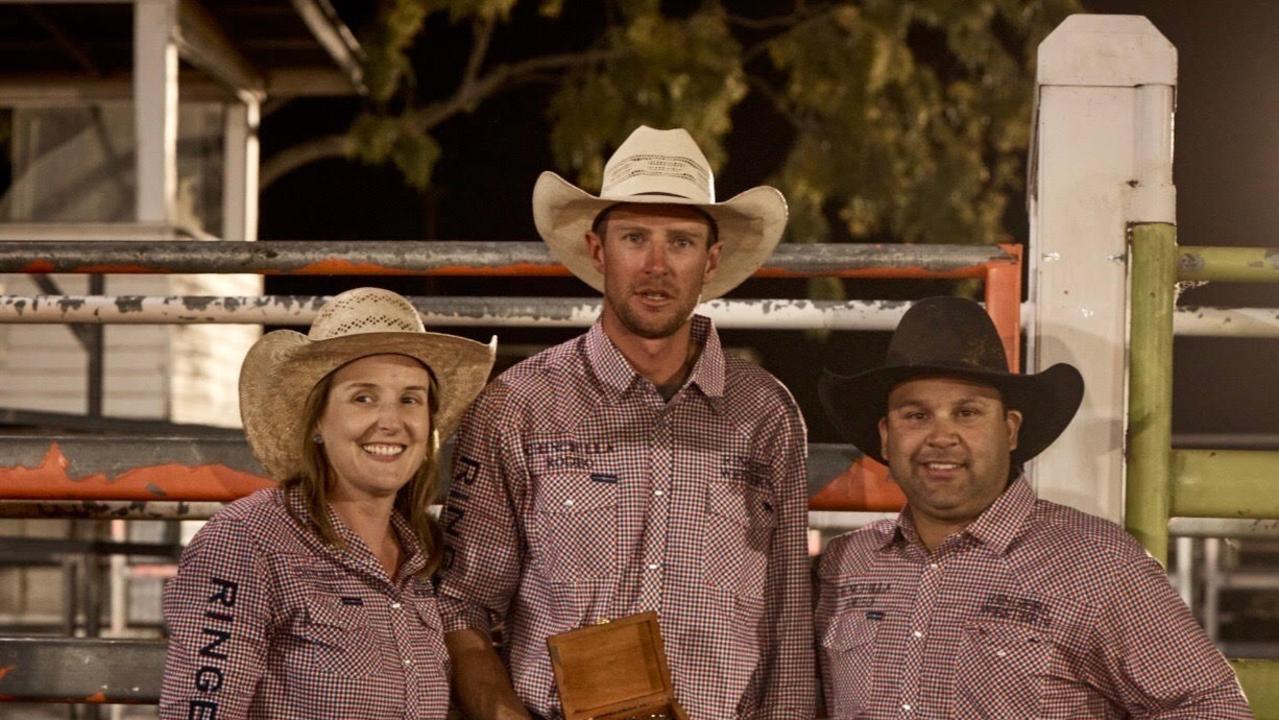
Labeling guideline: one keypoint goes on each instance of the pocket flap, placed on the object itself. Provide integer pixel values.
(850, 630)
(330, 611)
(574, 491)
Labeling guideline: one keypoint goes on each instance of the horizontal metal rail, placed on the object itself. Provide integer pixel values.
(105, 477)
(109, 509)
(1223, 527)
(1225, 483)
(75, 670)
(1228, 264)
(465, 311)
(141, 469)
(460, 258)
(1225, 322)
(765, 314)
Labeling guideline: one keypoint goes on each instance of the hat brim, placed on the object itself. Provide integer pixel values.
(750, 225)
(282, 368)
(1047, 400)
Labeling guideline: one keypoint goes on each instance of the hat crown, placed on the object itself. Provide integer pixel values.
(365, 310)
(659, 162)
(947, 332)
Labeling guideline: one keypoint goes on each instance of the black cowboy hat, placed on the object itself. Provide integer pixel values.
(952, 337)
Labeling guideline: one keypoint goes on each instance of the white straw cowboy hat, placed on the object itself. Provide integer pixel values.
(283, 367)
(660, 166)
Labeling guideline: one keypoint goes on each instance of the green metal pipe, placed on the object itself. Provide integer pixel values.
(1228, 264)
(1154, 272)
(1260, 681)
(1225, 483)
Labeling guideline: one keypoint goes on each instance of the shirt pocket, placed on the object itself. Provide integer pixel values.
(740, 520)
(336, 638)
(848, 649)
(1000, 670)
(577, 525)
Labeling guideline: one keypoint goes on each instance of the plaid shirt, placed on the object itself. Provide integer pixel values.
(1034, 611)
(578, 495)
(267, 621)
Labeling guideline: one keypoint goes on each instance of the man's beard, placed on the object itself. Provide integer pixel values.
(654, 328)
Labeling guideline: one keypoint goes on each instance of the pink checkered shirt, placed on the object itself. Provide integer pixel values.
(1035, 611)
(267, 621)
(578, 495)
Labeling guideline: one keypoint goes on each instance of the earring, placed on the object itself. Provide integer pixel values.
(317, 439)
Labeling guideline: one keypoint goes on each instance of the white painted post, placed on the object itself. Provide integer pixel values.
(1102, 158)
(240, 172)
(155, 106)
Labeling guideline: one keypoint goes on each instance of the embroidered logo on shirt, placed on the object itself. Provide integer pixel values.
(1020, 609)
(352, 601)
(863, 594)
(604, 478)
(744, 469)
(874, 614)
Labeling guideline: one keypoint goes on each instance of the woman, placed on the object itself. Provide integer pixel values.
(313, 599)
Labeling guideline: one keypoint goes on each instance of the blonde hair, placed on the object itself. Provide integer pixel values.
(316, 479)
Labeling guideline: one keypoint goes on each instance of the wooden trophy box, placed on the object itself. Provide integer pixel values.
(614, 671)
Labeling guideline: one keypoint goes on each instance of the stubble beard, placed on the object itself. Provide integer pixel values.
(656, 328)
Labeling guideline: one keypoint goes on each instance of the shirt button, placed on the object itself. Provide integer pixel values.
(395, 606)
(918, 633)
(653, 566)
(568, 502)
(933, 566)
(906, 707)
(1001, 653)
(407, 662)
(659, 493)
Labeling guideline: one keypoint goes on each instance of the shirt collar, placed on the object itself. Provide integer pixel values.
(995, 527)
(999, 524)
(355, 551)
(617, 375)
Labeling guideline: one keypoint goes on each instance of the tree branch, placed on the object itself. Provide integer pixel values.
(465, 99)
(776, 99)
(292, 158)
(479, 48)
(469, 96)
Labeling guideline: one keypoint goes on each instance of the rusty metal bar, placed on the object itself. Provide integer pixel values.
(182, 478)
(76, 670)
(109, 509)
(459, 258)
(144, 469)
(773, 314)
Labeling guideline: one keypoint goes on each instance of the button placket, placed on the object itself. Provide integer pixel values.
(656, 523)
(920, 620)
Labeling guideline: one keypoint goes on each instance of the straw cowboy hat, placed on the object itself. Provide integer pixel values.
(283, 367)
(952, 337)
(660, 166)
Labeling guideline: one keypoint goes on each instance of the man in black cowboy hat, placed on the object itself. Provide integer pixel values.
(980, 600)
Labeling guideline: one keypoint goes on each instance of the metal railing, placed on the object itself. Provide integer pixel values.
(188, 478)
(1162, 482)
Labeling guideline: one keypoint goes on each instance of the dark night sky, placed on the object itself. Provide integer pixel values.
(1226, 170)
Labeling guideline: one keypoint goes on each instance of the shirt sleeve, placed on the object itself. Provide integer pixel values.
(786, 679)
(217, 610)
(483, 548)
(1152, 655)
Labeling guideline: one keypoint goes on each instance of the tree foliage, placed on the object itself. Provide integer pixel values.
(909, 119)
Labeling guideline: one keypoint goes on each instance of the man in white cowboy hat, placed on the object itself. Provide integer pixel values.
(637, 467)
(979, 600)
